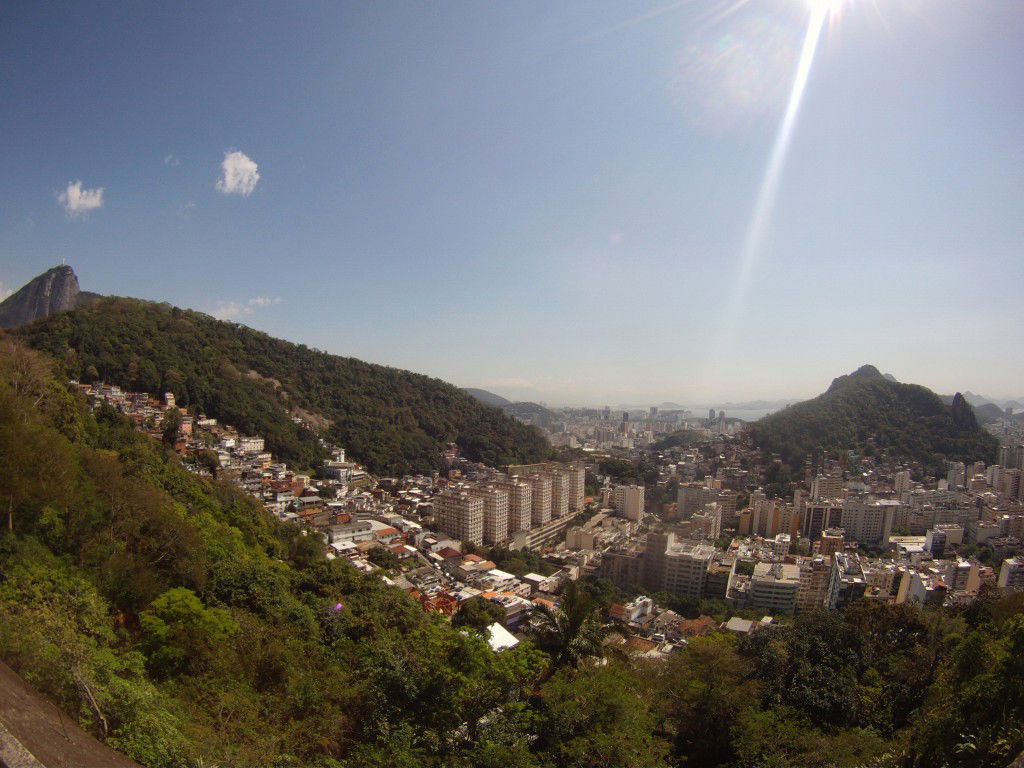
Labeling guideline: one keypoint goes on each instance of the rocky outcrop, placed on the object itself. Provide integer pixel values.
(55, 290)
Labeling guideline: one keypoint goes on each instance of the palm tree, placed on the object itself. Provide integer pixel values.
(571, 632)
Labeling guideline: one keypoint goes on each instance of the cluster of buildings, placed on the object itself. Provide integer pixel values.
(523, 507)
(601, 429)
(863, 532)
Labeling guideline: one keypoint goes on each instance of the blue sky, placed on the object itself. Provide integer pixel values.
(548, 200)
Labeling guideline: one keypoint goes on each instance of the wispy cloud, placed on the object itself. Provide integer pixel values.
(77, 202)
(4, 290)
(232, 310)
(239, 174)
(172, 160)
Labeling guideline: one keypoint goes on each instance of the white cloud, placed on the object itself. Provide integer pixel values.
(232, 310)
(4, 290)
(172, 160)
(264, 301)
(77, 201)
(240, 174)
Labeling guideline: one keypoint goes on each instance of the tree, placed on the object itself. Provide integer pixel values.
(384, 557)
(702, 691)
(183, 632)
(478, 613)
(598, 716)
(571, 632)
(171, 426)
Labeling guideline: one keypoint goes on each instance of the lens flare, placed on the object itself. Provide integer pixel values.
(820, 10)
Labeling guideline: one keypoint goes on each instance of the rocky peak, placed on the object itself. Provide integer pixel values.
(56, 290)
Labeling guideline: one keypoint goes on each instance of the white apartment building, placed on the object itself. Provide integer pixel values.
(774, 586)
(686, 567)
(559, 492)
(461, 515)
(520, 503)
(628, 500)
(540, 486)
(495, 513)
(1011, 574)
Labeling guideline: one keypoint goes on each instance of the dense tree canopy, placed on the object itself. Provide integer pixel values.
(391, 420)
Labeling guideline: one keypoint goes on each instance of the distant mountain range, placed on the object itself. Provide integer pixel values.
(487, 397)
(529, 412)
(391, 420)
(868, 412)
(56, 290)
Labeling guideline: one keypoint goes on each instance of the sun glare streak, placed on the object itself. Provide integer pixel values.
(753, 242)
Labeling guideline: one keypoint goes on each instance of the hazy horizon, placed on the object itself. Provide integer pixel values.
(580, 204)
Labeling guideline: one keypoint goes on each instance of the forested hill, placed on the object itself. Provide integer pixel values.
(867, 412)
(391, 420)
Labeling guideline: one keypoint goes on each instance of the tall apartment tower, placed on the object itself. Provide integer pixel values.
(520, 503)
(461, 515)
(577, 485)
(826, 487)
(957, 475)
(815, 574)
(628, 500)
(690, 499)
(686, 567)
(495, 512)
(559, 492)
(902, 482)
(540, 486)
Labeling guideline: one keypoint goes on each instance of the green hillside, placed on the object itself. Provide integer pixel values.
(171, 617)
(864, 411)
(391, 420)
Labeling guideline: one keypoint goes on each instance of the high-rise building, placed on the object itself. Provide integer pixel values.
(559, 491)
(774, 586)
(460, 514)
(541, 498)
(1011, 573)
(708, 523)
(869, 523)
(686, 567)
(628, 500)
(577, 485)
(821, 515)
(496, 503)
(831, 541)
(901, 483)
(826, 487)
(520, 503)
(847, 582)
(814, 579)
(957, 475)
(1011, 483)
(689, 499)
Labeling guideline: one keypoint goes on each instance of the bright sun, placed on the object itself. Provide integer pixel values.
(825, 7)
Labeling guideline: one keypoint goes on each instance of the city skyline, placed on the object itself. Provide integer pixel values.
(548, 203)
